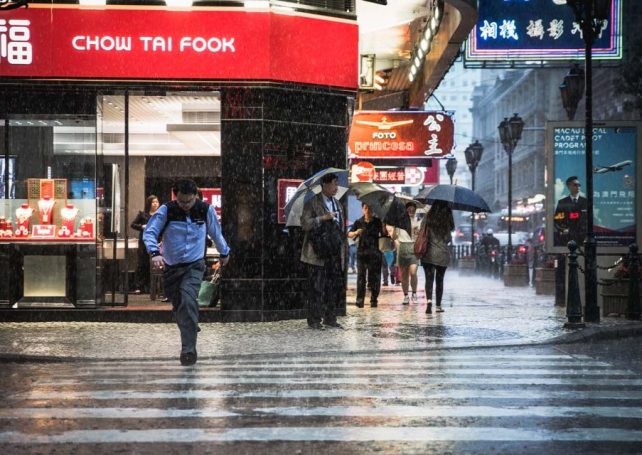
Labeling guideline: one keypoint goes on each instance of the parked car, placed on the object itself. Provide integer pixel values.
(517, 237)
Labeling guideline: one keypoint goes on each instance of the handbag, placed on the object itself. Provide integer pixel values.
(327, 240)
(385, 244)
(421, 243)
(208, 294)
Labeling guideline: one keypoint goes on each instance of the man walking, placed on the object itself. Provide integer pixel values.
(184, 225)
(323, 251)
(368, 229)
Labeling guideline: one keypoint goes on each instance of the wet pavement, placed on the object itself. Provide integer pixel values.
(479, 312)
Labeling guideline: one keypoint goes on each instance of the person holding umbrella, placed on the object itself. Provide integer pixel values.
(323, 245)
(368, 229)
(438, 223)
(406, 260)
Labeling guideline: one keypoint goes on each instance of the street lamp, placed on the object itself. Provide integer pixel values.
(473, 156)
(510, 132)
(572, 90)
(451, 165)
(590, 14)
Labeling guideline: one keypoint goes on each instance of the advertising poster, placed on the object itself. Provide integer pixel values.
(614, 184)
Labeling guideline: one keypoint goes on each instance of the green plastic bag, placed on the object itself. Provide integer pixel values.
(206, 293)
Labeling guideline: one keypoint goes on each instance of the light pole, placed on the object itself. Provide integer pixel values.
(451, 166)
(510, 132)
(473, 156)
(590, 14)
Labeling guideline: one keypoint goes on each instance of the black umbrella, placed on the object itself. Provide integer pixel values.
(388, 207)
(457, 197)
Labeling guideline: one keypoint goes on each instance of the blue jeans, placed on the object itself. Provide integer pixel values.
(352, 261)
(182, 283)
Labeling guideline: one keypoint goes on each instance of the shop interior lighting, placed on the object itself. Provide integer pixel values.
(178, 3)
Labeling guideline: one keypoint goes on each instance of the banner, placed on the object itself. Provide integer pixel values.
(71, 42)
(615, 196)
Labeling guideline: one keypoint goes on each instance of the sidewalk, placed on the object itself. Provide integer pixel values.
(478, 312)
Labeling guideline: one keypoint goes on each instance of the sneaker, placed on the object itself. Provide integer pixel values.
(405, 300)
(414, 297)
(439, 309)
(188, 358)
(137, 292)
(316, 326)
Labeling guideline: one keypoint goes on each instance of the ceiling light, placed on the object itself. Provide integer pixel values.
(437, 13)
(433, 24)
(411, 77)
(257, 4)
(413, 70)
(428, 34)
(420, 53)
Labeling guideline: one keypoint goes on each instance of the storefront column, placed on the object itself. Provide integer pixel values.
(269, 134)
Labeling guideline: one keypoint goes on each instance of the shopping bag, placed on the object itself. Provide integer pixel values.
(208, 294)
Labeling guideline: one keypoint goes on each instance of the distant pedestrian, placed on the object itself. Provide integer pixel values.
(406, 259)
(184, 225)
(530, 260)
(352, 255)
(140, 222)
(368, 229)
(323, 251)
(440, 223)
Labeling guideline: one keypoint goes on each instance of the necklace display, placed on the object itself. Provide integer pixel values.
(45, 208)
(68, 213)
(23, 217)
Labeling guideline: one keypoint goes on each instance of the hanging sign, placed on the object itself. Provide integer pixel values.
(393, 135)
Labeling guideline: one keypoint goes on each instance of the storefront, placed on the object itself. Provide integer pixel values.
(101, 108)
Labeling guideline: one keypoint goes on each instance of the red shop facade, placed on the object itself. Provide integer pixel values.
(102, 107)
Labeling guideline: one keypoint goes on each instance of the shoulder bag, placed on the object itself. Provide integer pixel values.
(421, 243)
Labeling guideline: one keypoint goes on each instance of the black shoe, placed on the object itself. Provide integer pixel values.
(359, 303)
(316, 326)
(373, 304)
(334, 324)
(188, 358)
(385, 283)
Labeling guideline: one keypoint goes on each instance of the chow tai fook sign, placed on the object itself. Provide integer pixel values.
(394, 135)
(518, 30)
(73, 42)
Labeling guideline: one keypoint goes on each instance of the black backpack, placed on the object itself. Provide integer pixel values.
(327, 240)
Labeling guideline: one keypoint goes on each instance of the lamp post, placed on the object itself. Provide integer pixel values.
(510, 132)
(572, 90)
(451, 166)
(473, 156)
(590, 14)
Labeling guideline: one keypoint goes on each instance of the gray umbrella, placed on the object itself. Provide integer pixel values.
(457, 197)
(388, 207)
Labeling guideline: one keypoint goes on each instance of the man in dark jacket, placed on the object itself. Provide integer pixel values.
(570, 215)
(184, 225)
(368, 229)
(324, 211)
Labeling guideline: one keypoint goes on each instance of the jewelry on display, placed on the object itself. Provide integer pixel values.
(6, 228)
(86, 227)
(23, 217)
(45, 206)
(68, 213)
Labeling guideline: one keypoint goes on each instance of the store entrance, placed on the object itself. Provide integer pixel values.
(146, 142)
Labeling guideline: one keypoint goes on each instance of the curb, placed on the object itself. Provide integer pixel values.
(589, 334)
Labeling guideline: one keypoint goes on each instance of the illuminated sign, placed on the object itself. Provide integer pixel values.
(57, 41)
(286, 188)
(538, 30)
(390, 135)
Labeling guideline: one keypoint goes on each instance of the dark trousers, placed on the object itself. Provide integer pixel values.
(142, 269)
(368, 263)
(326, 284)
(182, 283)
(429, 271)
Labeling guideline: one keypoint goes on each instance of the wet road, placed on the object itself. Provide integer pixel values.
(543, 400)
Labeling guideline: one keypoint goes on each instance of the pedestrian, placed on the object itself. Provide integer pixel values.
(184, 225)
(530, 260)
(439, 223)
(406, 260)
(368, 229)
(352, 255)
(140, 222)
(323, 252)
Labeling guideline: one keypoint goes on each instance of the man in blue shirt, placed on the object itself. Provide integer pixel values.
(184, 225)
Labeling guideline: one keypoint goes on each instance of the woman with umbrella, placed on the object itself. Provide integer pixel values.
(406, 260)
(439, 223)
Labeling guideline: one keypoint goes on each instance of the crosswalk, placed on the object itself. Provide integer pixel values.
(510, 401)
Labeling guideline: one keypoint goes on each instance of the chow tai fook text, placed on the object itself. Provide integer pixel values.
(56, 41)
(387, 134)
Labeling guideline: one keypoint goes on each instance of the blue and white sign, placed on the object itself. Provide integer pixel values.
(538, 30)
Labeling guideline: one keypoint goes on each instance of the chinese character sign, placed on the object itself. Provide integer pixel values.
(614, 184)
(391, 135)
(538, 29)
(213, 197)
(286, 188)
